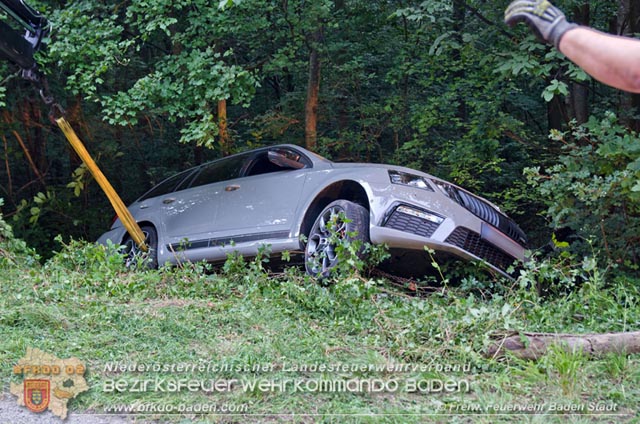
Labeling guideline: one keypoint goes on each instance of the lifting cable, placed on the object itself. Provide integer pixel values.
(116, 202)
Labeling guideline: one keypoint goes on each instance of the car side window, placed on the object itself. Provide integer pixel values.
(276, 160)
(167, 186)
(220, 170)
(262, 165)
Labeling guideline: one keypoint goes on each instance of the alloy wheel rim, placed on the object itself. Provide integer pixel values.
(321, 251)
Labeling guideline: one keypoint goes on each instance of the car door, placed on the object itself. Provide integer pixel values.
(190, 215)
(263, 203)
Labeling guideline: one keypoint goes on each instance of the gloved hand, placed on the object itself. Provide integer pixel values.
(547, 21)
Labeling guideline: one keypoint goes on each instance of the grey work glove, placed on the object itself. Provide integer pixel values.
(547, 21)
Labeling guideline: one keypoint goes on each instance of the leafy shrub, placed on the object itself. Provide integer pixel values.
(595, 189)
(82, 256)
(13, 251)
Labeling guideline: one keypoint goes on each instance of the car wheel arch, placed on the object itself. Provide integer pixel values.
(344, 189)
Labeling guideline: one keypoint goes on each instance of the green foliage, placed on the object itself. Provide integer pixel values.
(555, 88)
(437, 85)
(82, 267)
(185, 86)
(441, 86)
(14, 253)
(594, 189)
(58, 211)
(534, 59)
(80, 179)
(567, 366)
(89, 43)
(170, 57)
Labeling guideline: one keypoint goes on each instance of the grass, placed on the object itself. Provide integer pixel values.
(243, 323)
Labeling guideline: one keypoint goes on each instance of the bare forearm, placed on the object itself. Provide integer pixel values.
(612, 60)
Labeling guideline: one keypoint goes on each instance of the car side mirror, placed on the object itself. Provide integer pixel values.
(285, 159)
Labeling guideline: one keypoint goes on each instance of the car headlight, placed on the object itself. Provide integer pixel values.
(411, 180)
(449, 190)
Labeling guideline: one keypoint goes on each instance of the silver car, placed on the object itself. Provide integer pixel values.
(295, 200)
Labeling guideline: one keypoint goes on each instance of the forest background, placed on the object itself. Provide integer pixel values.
(153, 87)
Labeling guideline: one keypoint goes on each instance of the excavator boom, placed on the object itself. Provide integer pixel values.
(15, 46)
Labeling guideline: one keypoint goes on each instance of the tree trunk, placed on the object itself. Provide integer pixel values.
(556, 113)
(223, 132)
(579, 93)
(534, 345)
(579, 98)
(25, 119)
(313, 89)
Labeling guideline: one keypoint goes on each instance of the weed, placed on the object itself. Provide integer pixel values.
(566, 366)
(617, 365)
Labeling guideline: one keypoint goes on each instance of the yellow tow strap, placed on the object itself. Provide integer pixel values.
(123, 213)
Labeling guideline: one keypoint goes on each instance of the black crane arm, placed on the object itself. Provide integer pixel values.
(18, 47)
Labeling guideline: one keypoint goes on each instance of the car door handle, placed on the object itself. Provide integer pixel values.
(168, 200)
(231, 187)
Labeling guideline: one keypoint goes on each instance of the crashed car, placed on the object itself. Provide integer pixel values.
(297, 201)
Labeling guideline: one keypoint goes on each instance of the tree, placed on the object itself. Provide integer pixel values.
(151, 59)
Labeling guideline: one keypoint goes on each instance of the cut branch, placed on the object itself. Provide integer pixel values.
(534, 345)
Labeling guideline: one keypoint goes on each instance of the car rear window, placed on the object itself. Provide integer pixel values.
(167, 186)
(221, 170)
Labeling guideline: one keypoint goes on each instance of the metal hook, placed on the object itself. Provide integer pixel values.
(46, 99)
(53, 116)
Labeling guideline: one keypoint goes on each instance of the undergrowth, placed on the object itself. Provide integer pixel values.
(83, 302)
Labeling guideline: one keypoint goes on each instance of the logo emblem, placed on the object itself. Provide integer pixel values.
(48, 382)
(36, 394)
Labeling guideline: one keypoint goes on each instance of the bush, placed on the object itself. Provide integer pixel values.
(14, 252)
(594, 190)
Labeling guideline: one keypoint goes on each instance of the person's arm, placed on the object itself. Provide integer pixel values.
(610, 59)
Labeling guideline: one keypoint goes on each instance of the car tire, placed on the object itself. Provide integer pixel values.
(136, 257)
(320, 254)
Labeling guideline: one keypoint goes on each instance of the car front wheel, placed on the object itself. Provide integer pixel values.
(340, 220)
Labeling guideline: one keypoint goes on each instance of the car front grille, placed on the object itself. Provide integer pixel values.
(483, 210)
(470, 241)
(411, 224)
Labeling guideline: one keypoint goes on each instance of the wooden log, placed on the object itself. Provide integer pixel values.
(532, 346)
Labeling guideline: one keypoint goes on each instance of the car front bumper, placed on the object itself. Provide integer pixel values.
(473, 239)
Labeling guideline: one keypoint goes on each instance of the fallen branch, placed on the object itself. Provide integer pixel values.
(534, 345)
